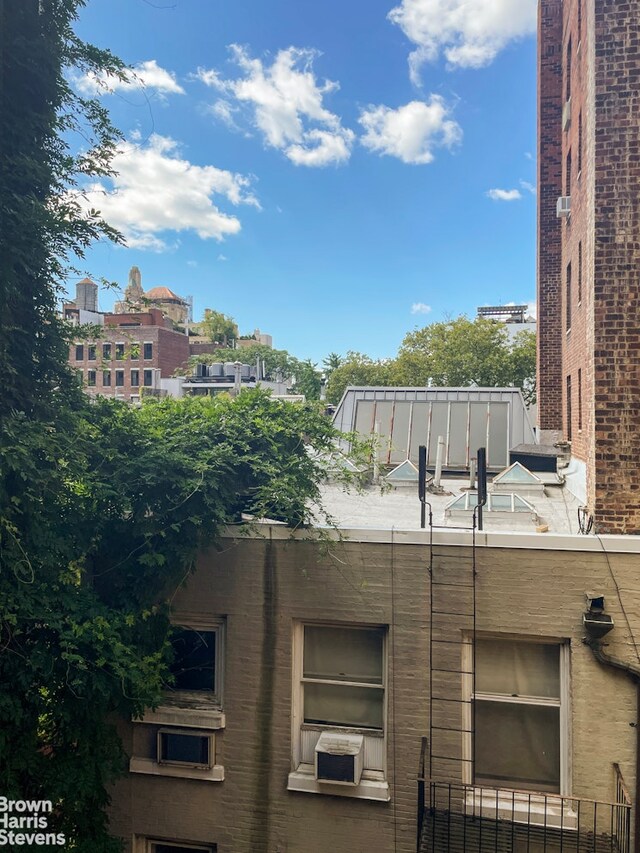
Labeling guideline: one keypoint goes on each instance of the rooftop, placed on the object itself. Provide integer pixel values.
(399, 509)
(162, 293)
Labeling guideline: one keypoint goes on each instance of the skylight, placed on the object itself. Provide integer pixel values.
(517, 474)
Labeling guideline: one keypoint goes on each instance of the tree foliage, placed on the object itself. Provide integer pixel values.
(218, 327)
(102, 507)
(451, 353)
(357, 369)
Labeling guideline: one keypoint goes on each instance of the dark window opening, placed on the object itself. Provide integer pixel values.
(119, 378)
(568, 291)
(148, 351)
(135, 351)
(79, 352)
(135, 378)
(148, 378)
(106, 378)
(567, 175)
(580, 142)
(193, 666)
(579, 272)
(579, 398)
(569, 413)
(119, 351)
(91, 352)
(106, 351)
(568, 71)
(91, 378)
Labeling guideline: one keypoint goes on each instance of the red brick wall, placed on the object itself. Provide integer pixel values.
(549, 188)
(616, 285)
(170, 351)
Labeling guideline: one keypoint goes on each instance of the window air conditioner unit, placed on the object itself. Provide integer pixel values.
(566, 115)
(563, 206)
(339, 758)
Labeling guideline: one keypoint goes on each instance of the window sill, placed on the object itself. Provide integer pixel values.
(549, 810)
(151, 768)
(185, 716)
(303, 779)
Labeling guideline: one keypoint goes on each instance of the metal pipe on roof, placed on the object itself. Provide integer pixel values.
(439, 457)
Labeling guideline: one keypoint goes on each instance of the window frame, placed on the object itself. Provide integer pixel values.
(146, 357)
(148, 845)
(505, 795)
(120, 351)
(79, 352)
(196, 733)
(119, 376)
(199, 698)
(373, 783)
(105, 374)
(92, 375)
(106, 351)
(147, 371)
(136, 371)
(92, 352)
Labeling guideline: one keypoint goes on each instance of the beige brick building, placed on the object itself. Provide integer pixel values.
(281, 612)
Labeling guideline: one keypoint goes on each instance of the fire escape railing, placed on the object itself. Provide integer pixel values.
(458, 818)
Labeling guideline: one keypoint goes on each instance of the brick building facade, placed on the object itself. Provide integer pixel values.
(588, 270)
(132, 352)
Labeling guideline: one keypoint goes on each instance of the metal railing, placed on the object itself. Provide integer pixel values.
(459, 818)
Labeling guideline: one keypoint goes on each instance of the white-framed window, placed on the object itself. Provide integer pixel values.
(185, 748)
(197, 668)
(520, 716)
(339, 692)
(150, 845)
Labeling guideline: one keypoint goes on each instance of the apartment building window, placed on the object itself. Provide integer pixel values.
(339, 689)
(144, 845)
(197, 660)
(147, 351)
(91, 352)
(134, 352)
(569, 413)
(119, 378)
(106, 352)
(567, 175)
(184, 747)
(579, 22)
(119, 352)
(148, 378)
(579, 272)
(568, 296)
(106, 378)
(568, 71)
(135, 378)
(579, 398)
(521, 711)
(580, 142)
(79, 352)
(91, 378)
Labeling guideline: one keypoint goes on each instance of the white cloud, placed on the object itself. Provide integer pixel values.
(504, 195)
(410, 132)
(285, 102)
(470, 33)
(155, 191)
(192, 263)
(420, 308)
(529, 187)
(222, 257)
(146, 75)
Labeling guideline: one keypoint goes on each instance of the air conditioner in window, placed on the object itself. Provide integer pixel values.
(566, 115)
(563, 206)
(339, 758)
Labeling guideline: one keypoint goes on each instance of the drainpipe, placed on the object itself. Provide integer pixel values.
(634, 673)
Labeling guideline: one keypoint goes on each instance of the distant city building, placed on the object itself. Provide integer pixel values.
(516, 318)
(258, 337)
(177, 308)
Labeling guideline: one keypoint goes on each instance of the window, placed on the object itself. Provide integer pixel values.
(579, 22)
(519, 736)
(579, 272)
(579, 398)
(106, 378)
(79, 352)
(119, 352)
(134, 352)
(147, 351)
(106, 351)
(342, 677)
(569, 413)
(143, 845)
(91, 352)
(580, 142)
(135, 378)
(567, 175)
(194, 749)
(91, 378)
(119, 378)
(568, 296)
(196, 655)
(339, 684)
(568, 72)
(148, 378)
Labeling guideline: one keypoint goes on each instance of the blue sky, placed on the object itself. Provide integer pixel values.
(334, 173)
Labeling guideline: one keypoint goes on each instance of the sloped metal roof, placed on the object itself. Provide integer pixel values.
(467, 418)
